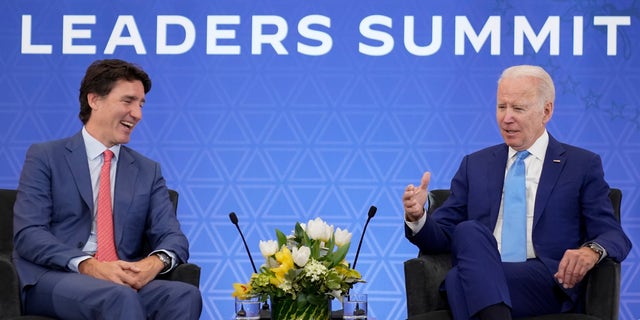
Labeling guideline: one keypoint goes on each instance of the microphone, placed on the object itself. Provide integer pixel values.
(234, 220)
(338, 314)
(372, 212)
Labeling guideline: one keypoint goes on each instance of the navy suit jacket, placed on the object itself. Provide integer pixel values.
(54, 209)
(571, 206)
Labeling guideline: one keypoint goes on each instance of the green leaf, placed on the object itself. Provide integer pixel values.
(339, 255)
(282, 239)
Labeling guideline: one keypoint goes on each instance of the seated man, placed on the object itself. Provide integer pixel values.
(526, 219)
(88, 206)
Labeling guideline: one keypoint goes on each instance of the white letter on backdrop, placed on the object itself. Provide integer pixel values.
(214, 34)
(551, 29)
(69, 33)
(369, 33)
(161, 35)
(578, 35)
(612, 24)
(490, 28)
(274, 39)
(27, 47)
(436, 37)
(324, 38)
(117, 39)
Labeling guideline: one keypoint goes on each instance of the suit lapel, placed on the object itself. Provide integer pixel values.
(495, 180)
(76, 158)
(123, 192)
(554, 162)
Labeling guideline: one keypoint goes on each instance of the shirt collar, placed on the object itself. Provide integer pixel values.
(95, 148)
(538, 149)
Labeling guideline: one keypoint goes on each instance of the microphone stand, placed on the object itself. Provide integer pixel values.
(372, 212)
(338, 314)
(234, 220)
(264, 314)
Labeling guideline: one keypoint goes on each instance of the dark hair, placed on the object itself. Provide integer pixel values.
(100, 77)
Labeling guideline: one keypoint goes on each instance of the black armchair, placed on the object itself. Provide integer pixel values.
(10, 305)
(424, 274)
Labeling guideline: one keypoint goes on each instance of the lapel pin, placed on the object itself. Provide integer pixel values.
(556, 161)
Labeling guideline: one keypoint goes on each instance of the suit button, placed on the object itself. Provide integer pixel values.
(80, 245)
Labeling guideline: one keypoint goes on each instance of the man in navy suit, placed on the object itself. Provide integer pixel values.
(55, 215)
(570, 225)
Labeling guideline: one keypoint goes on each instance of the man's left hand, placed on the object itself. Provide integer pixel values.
(574, 266)
(149, 268)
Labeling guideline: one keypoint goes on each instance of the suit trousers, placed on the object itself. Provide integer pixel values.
(479, 278)
(67, 295)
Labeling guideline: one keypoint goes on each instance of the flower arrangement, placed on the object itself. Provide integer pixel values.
(308, 267)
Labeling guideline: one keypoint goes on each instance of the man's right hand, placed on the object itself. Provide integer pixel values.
(120, 272)
(415, 198)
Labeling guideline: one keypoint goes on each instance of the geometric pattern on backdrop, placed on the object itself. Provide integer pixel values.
(283, 138)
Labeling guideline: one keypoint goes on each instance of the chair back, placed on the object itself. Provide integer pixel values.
(9, 285)
(10, 305)
(605, 292)
(7, 199)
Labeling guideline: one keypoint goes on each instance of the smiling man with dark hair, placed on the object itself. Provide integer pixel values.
(88, 206)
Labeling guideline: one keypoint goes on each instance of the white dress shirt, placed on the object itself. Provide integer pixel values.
(533, 169)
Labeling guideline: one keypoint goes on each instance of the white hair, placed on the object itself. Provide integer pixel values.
(546, 89)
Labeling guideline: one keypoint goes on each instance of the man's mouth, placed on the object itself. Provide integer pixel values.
(127, 124)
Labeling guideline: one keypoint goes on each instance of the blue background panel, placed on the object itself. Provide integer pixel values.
(279, 138)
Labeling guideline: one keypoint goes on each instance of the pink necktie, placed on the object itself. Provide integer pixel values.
(106, 244)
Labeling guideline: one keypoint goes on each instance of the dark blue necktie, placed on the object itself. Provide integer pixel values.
(514, 215)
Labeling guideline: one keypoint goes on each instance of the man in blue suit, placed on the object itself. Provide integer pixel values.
(55, 229)
(570, 225)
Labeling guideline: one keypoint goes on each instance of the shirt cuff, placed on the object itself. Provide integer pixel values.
(173, 256)
(604, 251)
(75, 262)
(416, 226)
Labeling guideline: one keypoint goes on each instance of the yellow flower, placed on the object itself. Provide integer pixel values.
(241, 290)
(348, 272)
(285, 259)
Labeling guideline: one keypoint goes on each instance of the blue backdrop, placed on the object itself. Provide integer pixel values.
(284, 110)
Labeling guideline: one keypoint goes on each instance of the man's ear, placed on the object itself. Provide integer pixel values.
(93, 100)
(548, 111)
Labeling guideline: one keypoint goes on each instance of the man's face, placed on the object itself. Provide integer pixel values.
(114, 116)
(520, 115)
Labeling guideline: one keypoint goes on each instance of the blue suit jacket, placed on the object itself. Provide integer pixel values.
(571, 206)
(54, 205)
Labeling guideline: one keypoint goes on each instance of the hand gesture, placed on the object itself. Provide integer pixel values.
(415, 198)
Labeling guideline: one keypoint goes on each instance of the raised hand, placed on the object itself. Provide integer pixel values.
(415, 198)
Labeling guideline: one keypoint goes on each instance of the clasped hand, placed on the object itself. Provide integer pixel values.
(133, 274)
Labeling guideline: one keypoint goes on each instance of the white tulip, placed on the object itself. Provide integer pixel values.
(268, 248)
(301, 255)
(316, 229)
(343, 237)
(328, 233)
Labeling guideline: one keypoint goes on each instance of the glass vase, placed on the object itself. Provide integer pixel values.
(289, 309)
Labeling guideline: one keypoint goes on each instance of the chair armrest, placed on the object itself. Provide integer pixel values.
(9, 289)
(423, 276)
(186, 272)
(602, 296)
